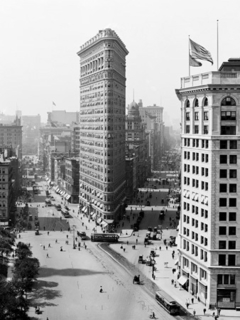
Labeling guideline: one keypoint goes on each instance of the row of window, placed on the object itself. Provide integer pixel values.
(227, 101)
(231, 174)
(226, 279)
(195, 156)
(196, 116)
(222, 244)
(225, 159)
(195, 251)
(228, 144)
(226, 259)
(227, 231)
(195, 143)
(195, 170)
(232, 188)
(196, 129)
(195, 184)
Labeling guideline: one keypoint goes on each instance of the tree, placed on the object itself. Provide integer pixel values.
(12, 306)
(25, 272)
(23, 251)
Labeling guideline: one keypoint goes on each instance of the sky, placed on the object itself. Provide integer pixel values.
(40, 40)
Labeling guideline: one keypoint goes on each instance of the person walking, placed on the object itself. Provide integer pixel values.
(204, 311)
(101, 289)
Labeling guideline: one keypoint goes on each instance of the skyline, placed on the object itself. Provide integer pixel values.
(40, 40)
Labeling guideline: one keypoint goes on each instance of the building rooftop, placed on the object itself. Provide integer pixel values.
(102, 34)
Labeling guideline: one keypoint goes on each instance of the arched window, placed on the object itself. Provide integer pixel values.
(228, 101)
(187, 104)
(196, 103)
(205, 102)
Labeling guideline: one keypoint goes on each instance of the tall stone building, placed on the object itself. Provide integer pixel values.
(102, 124)
(210, 215)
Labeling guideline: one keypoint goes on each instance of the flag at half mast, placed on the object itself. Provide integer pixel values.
(193, 62)
(199, 52)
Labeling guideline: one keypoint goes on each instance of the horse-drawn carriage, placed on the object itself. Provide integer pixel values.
(136, 279)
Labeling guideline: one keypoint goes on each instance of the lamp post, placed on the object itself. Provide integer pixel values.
(73, 229)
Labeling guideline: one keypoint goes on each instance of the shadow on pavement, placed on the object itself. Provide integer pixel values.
(49, 272)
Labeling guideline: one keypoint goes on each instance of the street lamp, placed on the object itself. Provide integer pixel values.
(73, 229)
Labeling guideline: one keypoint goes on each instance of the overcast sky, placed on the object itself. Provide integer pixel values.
(39, 40)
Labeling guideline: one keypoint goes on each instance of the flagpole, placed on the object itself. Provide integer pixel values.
(189, 55)
(217, 45)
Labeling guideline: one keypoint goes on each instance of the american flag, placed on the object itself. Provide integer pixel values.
(199, 52)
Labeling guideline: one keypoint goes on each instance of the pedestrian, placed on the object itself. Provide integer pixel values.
(136, 240)
(187, 305)
(166, 247)
(47, 255)
(101, 289)
(172, 281)
(56, 241)
(204, 311)
(160, 248)
(49, 245)
(192, 300)
(194, 312)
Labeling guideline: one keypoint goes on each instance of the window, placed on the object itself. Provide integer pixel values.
(197, 143)
(228, 130)
(196, 116)
(228, 101)
(232, 231)
(205, 129)
(196, 129)
(222, 187)
(228, 115)
(232, 216)
(196, 103)
(232, 188)
(231, 260)
(232, 174)
(223, 144)
(233, 144)
(222, 244)
(187, 116)
(222, 231)
(225, 279)
(223, 159)
(187, 103)
(222, 216)
(187, 129)
(221, 259)
(205, 115)
(232, 202)
(231, 245)
(206, 144)
(222, 202)
(233, 159)
(223, 173)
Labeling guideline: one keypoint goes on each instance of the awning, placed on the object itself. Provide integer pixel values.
(206, 200)
(98, 204)
(92, 191)
(104, 224)
(184, 192)
(83, 209)
(193, 195)
(176, 262)
(188, 194)
(98, 194)
(99, 220)
(81, 184)
(196, 197)
(182, 280)
(109, 221)
(202, 199)
(101, 206)
(68, 197)
(94, 216)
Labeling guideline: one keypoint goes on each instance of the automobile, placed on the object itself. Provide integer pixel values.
(82, 235)
(66, 207)
(150, 229)
(58, 207)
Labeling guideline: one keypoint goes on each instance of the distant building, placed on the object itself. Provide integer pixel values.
(152, 117)
(11, 137)
(102, 125)
(63, 116)
(75, 138)
(7, 198)
(137, 155)
(30, 133)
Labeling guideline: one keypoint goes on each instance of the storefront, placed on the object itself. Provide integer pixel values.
(202, 292)
(193, 286)
(226, 298)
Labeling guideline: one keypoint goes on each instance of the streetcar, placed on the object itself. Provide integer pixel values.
(165, 301)
(104, 237)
